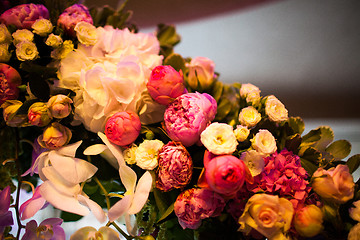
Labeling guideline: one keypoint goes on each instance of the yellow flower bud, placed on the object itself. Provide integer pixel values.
(55, 136)
(308, 221)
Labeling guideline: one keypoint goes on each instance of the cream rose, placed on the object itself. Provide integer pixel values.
(54, 40)
(264, 142)
(61, 52)
(335, 184)
(241, 133)
(249, 116)
(219, 138)
(22, 35)
(146, 154)
(42, 27)
(86, 33)
(254, 161)
(26, 51)
(269, 215)
(275, 110)
(250, 92)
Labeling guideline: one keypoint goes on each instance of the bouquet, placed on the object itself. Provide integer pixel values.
(99, 117)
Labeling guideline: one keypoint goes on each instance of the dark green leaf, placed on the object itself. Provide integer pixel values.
(166, 214)
(70, 217)
(339, 149)
(297, 124)
(309, 166)
(176, 61)
(312, 137)
(223, 109)
(327, 136)
(90, 189)
(353, 163)
(167, 35)
(217, 90)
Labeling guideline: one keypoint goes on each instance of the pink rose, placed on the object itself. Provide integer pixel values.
(123, 128)
(73, 15)
(224, 174)
(335, 184)
(188, 116)
(165, 84)
(24, 15)
(175, 167)
(195, 204)
(10, 80)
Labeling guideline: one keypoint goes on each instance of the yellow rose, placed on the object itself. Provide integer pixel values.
(308, 221)
(22, 35)
(26, 51)
(54, 41)
(249, 116)
(355, 212)
(269, 215)
(42, 27)
(63, 51)
(86, 33)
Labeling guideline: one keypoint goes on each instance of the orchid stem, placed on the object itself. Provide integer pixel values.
(120, 230)
(104, 191)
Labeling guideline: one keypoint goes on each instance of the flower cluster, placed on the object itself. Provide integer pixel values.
(123, 127)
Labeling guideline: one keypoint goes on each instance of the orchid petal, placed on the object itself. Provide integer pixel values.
(83, 233)
(94, 208)
(5, 199)
(109, 233)
(51, 221)
(59, 233)
(39, 163)
(62, 202)
(113, 148)
(128, 178)
(32, 206)
(95, 149)
(131, 225)
(141, 193)
(69, 150)
(119, 208)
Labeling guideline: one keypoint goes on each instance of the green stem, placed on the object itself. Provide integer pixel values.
(120, 230)
(104, 191)
(122, 6)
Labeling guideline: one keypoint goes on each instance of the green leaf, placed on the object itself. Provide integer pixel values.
(90, 189)
(218, 90)
(296, 124)
(327, 136)
(353, 163)
(167, 35)
(176, 61)
(339, 149)
(312, 137)
(166, 214)
(223, 109)
(309, 166)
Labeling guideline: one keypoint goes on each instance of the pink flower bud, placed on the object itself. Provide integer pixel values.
(23, 16)
(12, 119)
(10, 80)
(308, 221)
(73, 15)
(165, 84)
(55, 136)
(201, 73)
(39, 114)
(59, 106)
(123, 128)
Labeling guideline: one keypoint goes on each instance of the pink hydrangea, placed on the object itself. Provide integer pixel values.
(10, 80)
(283, 175)
(187, 116)
(195, 204)
(73, 15)
(175, 167)
(24, 15)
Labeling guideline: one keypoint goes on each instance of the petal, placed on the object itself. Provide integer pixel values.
(94, 208)
(141, 193)
(69, 150)
(131, 225)
(32, 206)
(95, 149)
(128, 178)
(119, 208)
(109, 233)
(5, 198)
(38, 163)
(52, 222)
(83, 233)
(113, 148)
(59, 233)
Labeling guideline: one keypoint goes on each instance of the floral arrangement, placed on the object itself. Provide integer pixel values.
(99, 117)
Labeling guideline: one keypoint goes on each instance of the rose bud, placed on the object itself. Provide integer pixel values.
(72, 16)
(24, 15)
(308, 221)
(123, 128)
(175, 167)
(188, 116)
(201, 73)
(165, 84)
(39, 114)
(10, 80)
(55, 136)
(59, 106)
(11, 118)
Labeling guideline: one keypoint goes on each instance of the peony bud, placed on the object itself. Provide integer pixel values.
(42, 27)
(55, 136)
(5, 55)
(22, 35)
(72, 16)
(86, 33)
(165, 84)
(249, 116)
(39, 114)
(201, 73)
(59, 106)
(123, 128)
(5, 36)
(308, 221)
(241, 133)
(26, 51)
(10, 80)
(11, 118)
(54, 41)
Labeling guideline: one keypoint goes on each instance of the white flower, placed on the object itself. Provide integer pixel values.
(22, 35)
(130, 154)
(54, 40)
(62, 51)
(42, 27)
(355, 212)
(26, 51)
(250, 92)
(110, 76)
(275, 109)
(86, 33)
(249, 116)
(264, 142)
(219, 138)
(146, 154)
(241, 133)
(5, 36)
(5, 55)
(254, 161)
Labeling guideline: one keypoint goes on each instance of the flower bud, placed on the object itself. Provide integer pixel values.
(201, 73)
(5, 36)
(308, 221)
(59, 106)
(11, 118)
(5, 55)
(73, 15)
(10, 80)
(249, 116)
(42, 27)
(54, 41)
(39, 114)
(22, 35)
(26, 51)
(123, 128)
(55, 136)
(86, 33)
(241, 133)
(165, 84)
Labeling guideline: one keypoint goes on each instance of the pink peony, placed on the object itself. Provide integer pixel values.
(123, 128)
(188, 116)
(24, 15)
(165, 84)
(175, 167)
(283, 175)
(9, 81)
(73, 15)
(195, 204)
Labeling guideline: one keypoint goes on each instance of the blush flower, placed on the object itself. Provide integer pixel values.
(254, 161)
(250, 92)
(10, 80)
(275, 110)
(308, 221)
(146, 154)
(59, 106)
(105, 233)
(72, 16)
(29, 208)
(355, 211)
(219, 138)
(188, 116)
(55, 136)
(175, 167)
(195, 204)
(48, 229)
(264, 142)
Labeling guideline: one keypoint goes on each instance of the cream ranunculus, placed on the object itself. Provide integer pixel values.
(54, 40)
(86, 33)
(250, 92)
(146, 154)
(22, 35)
(219, 138)
(241, 133)
(249, 116)
(42, 27)
(269, 215)
(26, 51)
(275, 110)
(264, 142)
(110, 76)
